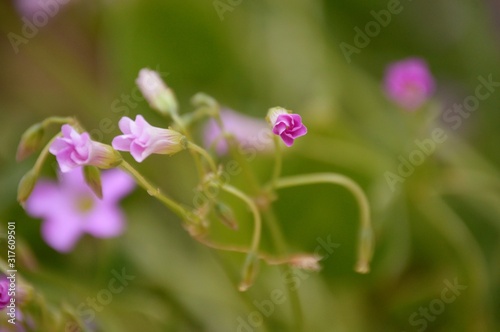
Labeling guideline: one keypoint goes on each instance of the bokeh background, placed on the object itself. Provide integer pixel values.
(441, 225)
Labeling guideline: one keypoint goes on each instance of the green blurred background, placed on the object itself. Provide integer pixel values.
(442, 224)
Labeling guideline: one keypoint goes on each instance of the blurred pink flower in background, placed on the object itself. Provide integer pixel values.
(409, 83)
(4, 292)
(248, 131)
(69, 208)
(29, 8)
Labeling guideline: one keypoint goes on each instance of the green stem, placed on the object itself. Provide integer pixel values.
(57, 120)
(365, 246)
(454, 230)
(256, 215)
(277, 163)
(43, 155)
(204, 154)
(280, 243)
(180, 123)
(155, 192)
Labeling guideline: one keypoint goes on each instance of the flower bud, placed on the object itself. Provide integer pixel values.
(249, 272)
(26, 186)
(30, 141)
(226, 215)
(159, 96)
(286, 124)
(305, 262)
(92, 177)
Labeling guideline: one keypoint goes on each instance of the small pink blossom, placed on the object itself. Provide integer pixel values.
(142, 139)
(286, 125)
(248, 131)
(409, 83)
(73, 150)
(4, 292)
(69, 208)
(159, 96)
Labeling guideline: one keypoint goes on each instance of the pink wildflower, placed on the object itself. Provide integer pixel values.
(142, 139)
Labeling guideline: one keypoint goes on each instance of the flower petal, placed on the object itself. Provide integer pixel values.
(116, 184)
(62, 230)
(105, 221)
(46, 197)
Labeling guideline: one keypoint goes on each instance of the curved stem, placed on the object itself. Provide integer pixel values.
(43, 155)
(365, 246)
(266, 257)
(204, 154)
(155, 192)
(256, 215)
(454, 230)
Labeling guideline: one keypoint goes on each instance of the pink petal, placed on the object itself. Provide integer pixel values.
(137, 151)
(121, 143)
(125, 125)
(67, 130)
(287, 139)
(45, 198)
(62, 230)
(105, 221)
(116, 184)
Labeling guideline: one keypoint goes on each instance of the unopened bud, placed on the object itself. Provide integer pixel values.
(306, 262)
(92, 177)
(365, 250)
(249, 272)
(30, 141)
(26, 186)
(226, 215)
(159, 96)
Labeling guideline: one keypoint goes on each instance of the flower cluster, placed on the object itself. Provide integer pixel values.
(85, 201)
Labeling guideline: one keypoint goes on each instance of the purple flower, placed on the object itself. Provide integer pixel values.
(286, 125)
(409, 83)
(248, 131)
(73, 150)
(4, 292)
(142, 139)
(70, 209)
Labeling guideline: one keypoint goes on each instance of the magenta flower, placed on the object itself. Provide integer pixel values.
(286, 125)
(409, 83)
(4, 292)
(69, 208)
(142, 139)
(73, 150)
(248, 131)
